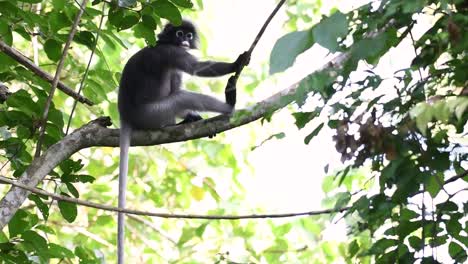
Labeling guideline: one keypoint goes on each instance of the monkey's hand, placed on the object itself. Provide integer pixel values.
(230, 91)
(242, 60)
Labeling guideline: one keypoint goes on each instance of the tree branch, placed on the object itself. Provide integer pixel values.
(254, 43)
(456, 177)
(26, 62)
(45, 116)
(163, 215)
(95, 134)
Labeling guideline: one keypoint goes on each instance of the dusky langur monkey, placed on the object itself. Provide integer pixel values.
(150, 94)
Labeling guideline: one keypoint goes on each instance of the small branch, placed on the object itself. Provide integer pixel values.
(163, 215)
(257, 38)
(152, 226)
(55, 81)
(26, 62)
(87, 69)
(265, 25)
(457, 177)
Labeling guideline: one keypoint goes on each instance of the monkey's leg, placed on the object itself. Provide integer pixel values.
(163, 112)
(185, 100)
(230, 91)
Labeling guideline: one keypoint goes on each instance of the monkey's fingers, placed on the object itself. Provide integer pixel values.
(230, 91)
(245, 58)
(242, 60)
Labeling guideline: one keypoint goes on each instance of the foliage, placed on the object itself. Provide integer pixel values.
(404, 128)
(400, 138)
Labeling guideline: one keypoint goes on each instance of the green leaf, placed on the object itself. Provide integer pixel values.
(18, 224)
(327, 32)
(302, 118)
(434, 184)
(68, 210)
(115, 16)
(314, 133)
(167, 10)
(461, 107)
(287, 48)
(407, 214)
(149, 22)
(415, 242)
(320, 82)
(353, 248)
(5, 32)
(57, 251)
(46, 229)
(282, 230)
(183, 3)
(342, 199)
(441, 111)
(141, 31)
(453, 226)
(43, 208)
(186, 235)
(35, 239)
(381, 245)
(53, 49)
(457, 252)
(128, 21)
(422, 113)
(31, 1)
(86, 38)
(72, 190)
(22, 101)
(200, 230)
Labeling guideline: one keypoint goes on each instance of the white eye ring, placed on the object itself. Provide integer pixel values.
(179, 33)
(189, 35)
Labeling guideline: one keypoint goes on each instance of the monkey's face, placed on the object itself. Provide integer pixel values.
(184, 35)
(184, 38)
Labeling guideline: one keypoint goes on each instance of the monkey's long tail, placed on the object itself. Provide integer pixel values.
(125, 135)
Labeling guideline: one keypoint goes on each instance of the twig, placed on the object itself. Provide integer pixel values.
(164, 215)
(457, 177)
(152, 226)
(98, 33)
(257, 38)
(45, 116)
(26, 62)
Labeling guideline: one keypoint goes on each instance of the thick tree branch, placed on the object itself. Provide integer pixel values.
(95, 134)
(26, 62)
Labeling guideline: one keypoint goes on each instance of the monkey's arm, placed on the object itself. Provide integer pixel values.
(189, 64)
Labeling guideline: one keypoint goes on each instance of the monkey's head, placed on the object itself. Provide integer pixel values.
(184, 35)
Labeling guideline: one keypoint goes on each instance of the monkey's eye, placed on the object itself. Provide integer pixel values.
(179, 33)
(189, 35)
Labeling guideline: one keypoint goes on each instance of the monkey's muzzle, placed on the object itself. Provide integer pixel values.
(185, 44)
